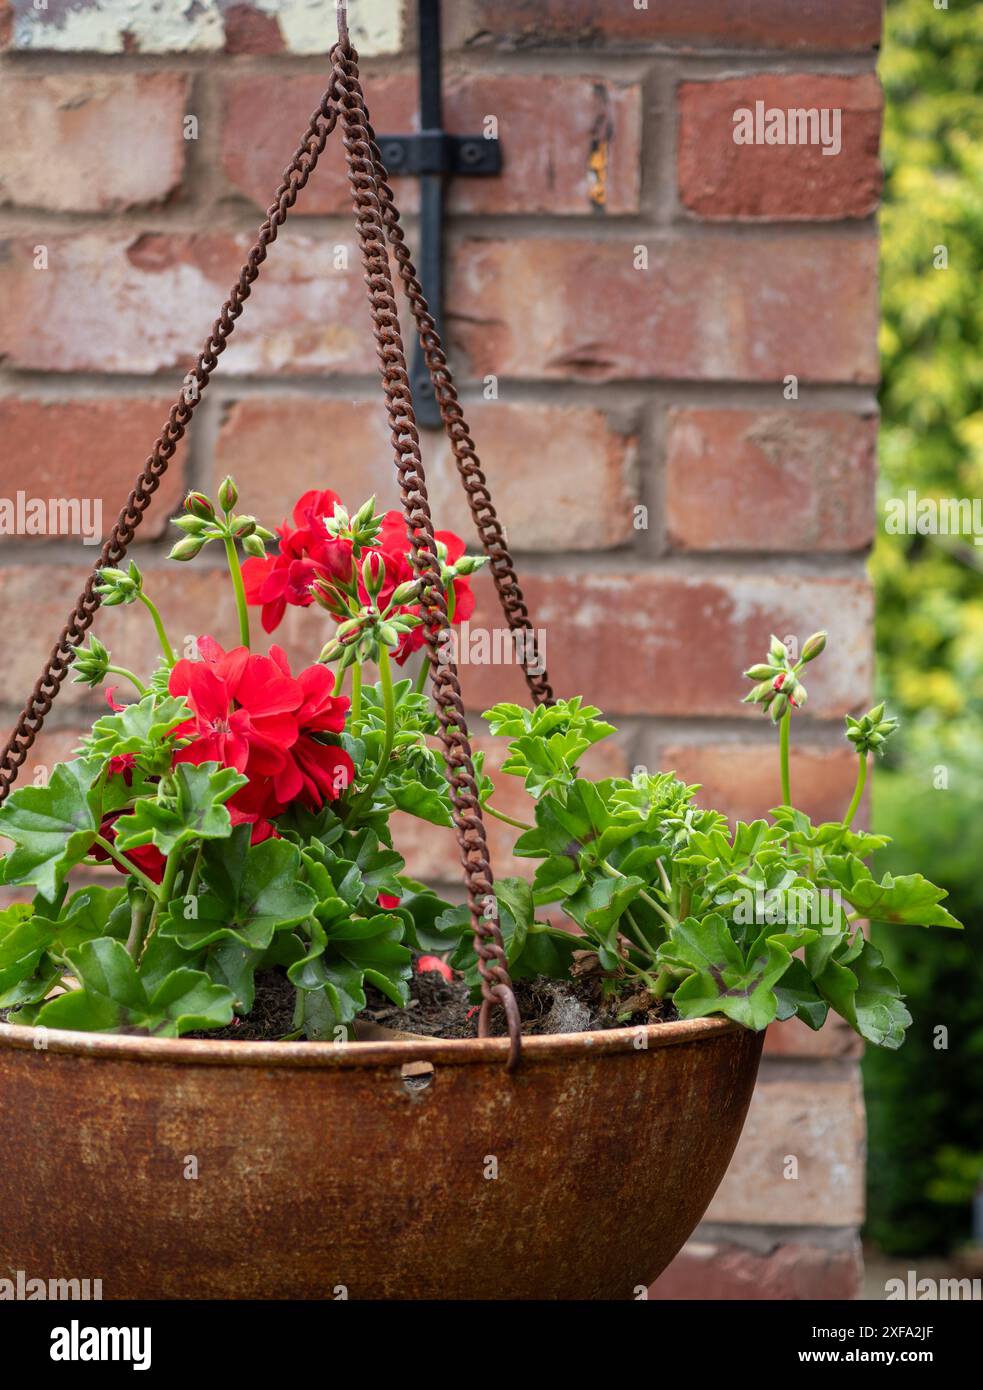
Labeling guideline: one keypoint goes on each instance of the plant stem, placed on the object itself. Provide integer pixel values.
(130, 868)
(500, 815)
(389, 711)
(356, 710)
(858, 791)
(165, 645)
(122, 671)
(786, 780)
(171, 870)
(339, 681)
(421, 675)
(646, 898)
(134, 941)
(235, 569)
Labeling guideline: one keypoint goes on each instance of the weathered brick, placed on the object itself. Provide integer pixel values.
(563, 475)
(719, 1270)
(648, 642)
(210, 26)
(727, 310)
(718, 309)
(191, 596)
(793, 1039)
(87, 450)
(719, 179)
(778, 480)
(742, 779)
(122, 301)
(821, 1127)
(109, 141)
(570, 144)
(826, 25)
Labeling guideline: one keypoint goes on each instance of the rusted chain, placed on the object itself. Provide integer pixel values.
(295, 177)
(472, 475)
(496, 986)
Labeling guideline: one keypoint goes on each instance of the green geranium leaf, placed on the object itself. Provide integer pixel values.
(186, 1001)
(251, 891)
(143, 728)
(81, 1011)
(862, 990)
(798, 996)
(52, 827)
(190, 805)
(106, 968)
(909, 898)
(425, 803)
(724, 981)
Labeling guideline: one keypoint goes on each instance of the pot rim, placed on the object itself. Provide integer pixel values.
(454, 1051)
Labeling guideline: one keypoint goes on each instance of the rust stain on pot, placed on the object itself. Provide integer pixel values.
(607, 1154)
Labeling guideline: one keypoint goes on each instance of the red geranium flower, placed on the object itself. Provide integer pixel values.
(394, 541)
(307, 553)
(147, 858)
(314, 771)
(243, 709)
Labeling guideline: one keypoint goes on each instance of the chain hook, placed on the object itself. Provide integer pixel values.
(341, 13)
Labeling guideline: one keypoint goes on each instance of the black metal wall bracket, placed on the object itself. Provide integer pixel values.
(433, 156)
(436, 152)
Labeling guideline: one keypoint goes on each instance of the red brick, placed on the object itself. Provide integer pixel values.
(232, 26)
(793, 1039)
(723, 1271)
(142, 302)
(778, 480)
(109, 141)
(87, 449)
(648, 642)
(822, 25)
(820, 1124)
(742, 779)
(722, 308)
(554, 132)
(719, 179)
(192, 599)
(563, 476)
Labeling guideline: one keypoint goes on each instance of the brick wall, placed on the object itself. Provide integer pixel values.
(618, 386)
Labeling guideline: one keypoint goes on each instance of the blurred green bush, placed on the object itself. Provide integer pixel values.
(925, 1104)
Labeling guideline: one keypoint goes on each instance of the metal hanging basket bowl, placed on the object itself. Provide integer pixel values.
(395, 1170)
(398, 1169)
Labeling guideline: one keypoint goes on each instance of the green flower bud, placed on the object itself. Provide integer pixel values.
(814, 646)
(91, 663)
(200, 506)
(242, 526)
(119, 586)
(228, 495)
(760, 672)
(349, 628)
(373, 573)
(778, 706)
(254, 545)
(777, 649)
(468, 564)
(761, 694)
(186, 549)
(406, 593)
(388, 635)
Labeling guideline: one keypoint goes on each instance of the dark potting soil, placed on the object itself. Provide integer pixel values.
(439, 1008)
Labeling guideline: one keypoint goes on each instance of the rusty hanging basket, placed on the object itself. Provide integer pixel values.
(363, 1167)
